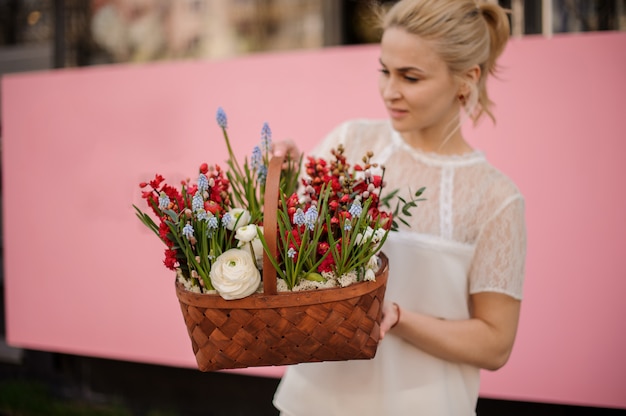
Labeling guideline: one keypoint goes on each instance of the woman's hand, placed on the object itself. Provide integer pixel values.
(391, 317)
(286, 148)
(485, 340)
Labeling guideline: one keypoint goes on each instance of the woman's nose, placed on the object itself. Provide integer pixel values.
(390, 90)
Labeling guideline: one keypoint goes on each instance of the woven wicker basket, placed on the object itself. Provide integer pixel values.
(270, 328)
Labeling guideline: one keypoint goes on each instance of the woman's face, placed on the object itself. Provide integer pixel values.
(416, 86)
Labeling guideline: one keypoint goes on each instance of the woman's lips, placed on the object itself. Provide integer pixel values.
(397, 113)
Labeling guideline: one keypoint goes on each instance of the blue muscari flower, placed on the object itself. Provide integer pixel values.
(202, 215)
(188, 231)
(311, 217)
(257, 164)
(212, 222)
(226, 219)
(262, 173)
(164, 200)
(256, 160)
(355, 209)
(197, 202)
(221, 118)
(203, 182)
(266, 137)
(298, 217)
(291, 253)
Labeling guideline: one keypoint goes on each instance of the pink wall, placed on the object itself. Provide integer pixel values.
(83, 276)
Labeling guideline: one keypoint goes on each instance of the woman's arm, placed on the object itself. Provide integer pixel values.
(485, 340)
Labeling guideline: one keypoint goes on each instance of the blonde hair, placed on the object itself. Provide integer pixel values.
(464, 33)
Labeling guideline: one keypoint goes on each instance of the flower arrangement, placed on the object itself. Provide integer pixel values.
(330, 220)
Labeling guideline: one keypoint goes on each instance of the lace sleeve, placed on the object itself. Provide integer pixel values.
(500, 255)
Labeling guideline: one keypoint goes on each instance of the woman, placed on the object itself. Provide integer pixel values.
(456, 274)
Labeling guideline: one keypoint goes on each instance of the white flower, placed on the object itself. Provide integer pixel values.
(257, 247)
(370, 235)
(372, 263)
(365, 237)
(378, 235)
(234, 274)
(246, 233)
(239, 218)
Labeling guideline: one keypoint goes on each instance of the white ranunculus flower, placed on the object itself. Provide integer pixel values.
(239, 217)
(246, 233)
(257, 247)
(234, 274)
(248, 238)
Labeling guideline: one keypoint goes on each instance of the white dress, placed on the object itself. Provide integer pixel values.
(467, 237)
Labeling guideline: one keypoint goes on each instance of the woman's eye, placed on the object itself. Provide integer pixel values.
(407, 78)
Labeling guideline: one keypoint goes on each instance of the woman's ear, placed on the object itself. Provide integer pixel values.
(469, 78)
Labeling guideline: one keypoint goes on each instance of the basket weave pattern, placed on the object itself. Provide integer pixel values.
(271, 328)
(294, 327)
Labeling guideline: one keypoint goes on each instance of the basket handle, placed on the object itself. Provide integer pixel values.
(270, 207)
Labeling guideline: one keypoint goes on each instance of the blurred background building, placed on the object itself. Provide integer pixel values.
(41, 34)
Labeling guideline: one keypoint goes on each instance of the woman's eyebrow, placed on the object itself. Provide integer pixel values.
(405, 68)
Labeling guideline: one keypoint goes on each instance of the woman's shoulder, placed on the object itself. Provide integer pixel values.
(500, 177)
(497, 186)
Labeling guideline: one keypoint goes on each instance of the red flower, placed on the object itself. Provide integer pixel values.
(192, 189)
(295, 233)
(164, 230)
(360, 187)
(326, 265)
(170, 259)
(212, 207)
(292, 201)
(386, 220)
(156, 182)
(322, 248)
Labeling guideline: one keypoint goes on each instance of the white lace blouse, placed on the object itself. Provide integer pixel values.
(467, 237)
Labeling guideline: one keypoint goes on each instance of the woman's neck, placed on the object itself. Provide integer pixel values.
(434, 142)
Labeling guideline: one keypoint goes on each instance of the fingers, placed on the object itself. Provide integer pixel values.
(390, 318)
(284, 148)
